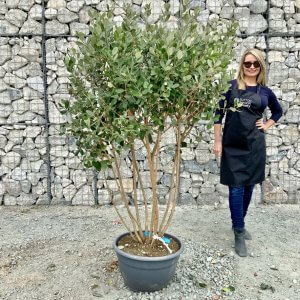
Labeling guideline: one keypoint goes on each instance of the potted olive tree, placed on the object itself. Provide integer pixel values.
(132, 83)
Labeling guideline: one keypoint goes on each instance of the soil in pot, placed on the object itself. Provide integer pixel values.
(130, 246)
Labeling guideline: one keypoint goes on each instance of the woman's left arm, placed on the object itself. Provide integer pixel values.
(276, 111)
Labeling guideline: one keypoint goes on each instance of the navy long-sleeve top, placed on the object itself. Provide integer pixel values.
(267, 96)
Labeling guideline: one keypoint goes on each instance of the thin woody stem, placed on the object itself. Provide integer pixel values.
(123, 195)
(144, 195)
(135, 192)
(156, 146)
(120, 216)
(154, 216)
(177, 163)
(124, 223)
(170, 196)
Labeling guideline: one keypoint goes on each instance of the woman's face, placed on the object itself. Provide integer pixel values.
(251, 66)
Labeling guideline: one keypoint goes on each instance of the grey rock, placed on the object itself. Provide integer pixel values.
(11, 159)
(12, 187)
(35, 167)
(276, 14)
(186, 199)
(9, 199)
(289, 84)
(290, 135)
(227, 11)
(297, 17)
(56, 4)
(166, 180)
(79, 27)
(104, 197)
(5, 54)
(55, 27)
(277, 3)
(16, 62)
(26, 186)
(193, 167)
(62, 171)
(32, 131)
(7, 28)
(5, 110)
(3, 141)
(278, 26)
(207, 188)
(243, 2)
(277, 43)
(11, 95)
(83, 14)
(26, 199)
(51, 13)
(69, 192)
(278, 73)
(79, 178)
(35, 13)
(36, 83)
(21, 106)
(214, 6)
(2, 189)
(184, 185)
(258, 6)
(16, 17)
(75, 5)
(294, 73)
(257, 24)
(241, 13)
(273, 140)
(64, 16)
(31, 27)
(3, 8)
(293, 114)
(18, 174)
(91, 2)
(289, 96)
(208, 199)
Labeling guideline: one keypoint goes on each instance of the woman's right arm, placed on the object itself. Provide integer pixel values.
(218, 140)
(219, 113)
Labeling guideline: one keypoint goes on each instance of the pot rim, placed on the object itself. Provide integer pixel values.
(146, 258)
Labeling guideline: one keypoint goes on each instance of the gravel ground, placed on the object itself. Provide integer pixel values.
(66, 253)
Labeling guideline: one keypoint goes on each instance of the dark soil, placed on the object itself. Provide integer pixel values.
(148, 250)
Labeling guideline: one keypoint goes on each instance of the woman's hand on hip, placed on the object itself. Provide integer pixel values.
(218, 149)
(261, 125)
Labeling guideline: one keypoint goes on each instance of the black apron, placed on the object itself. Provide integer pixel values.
(244, 149)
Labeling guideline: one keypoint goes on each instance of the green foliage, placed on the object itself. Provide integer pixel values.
(128, 81)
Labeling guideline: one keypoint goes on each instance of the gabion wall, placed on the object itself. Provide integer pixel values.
(37, 165)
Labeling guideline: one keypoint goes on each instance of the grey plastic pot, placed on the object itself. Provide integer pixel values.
(147, 274)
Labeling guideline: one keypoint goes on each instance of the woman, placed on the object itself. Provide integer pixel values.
(242, 147)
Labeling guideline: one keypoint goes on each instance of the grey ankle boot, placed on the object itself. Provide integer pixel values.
(247, 235)
(239, 242)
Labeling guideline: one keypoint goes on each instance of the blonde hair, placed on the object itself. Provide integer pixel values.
(262, 76)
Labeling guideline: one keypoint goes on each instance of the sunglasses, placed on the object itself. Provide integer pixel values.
(248, 64)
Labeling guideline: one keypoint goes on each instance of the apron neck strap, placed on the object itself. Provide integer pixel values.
(235, 86)
(258, 88)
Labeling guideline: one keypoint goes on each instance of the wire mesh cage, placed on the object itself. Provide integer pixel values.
(37, 163)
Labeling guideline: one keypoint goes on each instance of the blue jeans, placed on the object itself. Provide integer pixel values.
(239, 200)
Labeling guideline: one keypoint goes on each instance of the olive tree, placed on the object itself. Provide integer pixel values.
(137, 81)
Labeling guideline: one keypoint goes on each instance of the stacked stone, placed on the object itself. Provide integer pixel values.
(22, 146)
(23, 141)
